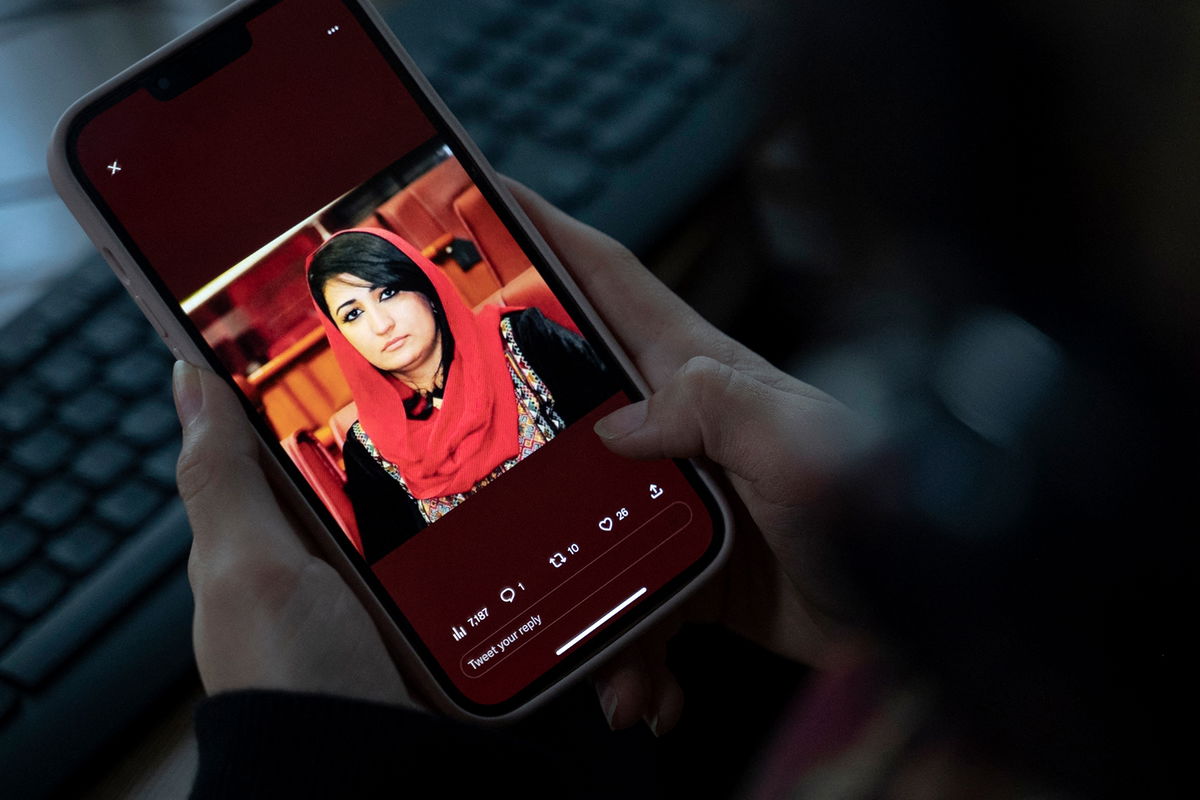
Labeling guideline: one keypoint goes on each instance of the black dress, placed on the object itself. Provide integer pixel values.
(576, 379)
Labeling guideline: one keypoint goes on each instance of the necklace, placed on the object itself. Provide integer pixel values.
(434, 392)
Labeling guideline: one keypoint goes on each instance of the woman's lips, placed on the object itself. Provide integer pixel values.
(394, 344)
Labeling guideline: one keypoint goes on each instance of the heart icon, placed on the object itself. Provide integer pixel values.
(606, 524)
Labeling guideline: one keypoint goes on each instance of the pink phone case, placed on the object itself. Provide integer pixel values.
(157, 310)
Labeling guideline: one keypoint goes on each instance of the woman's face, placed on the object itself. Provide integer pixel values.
(394, 331)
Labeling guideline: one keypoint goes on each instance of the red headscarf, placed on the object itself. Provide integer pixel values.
(474, 430)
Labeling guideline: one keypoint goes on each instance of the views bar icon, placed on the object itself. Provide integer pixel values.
(459, 633)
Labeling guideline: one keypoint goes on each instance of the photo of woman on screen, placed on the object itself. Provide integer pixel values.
(448, 397)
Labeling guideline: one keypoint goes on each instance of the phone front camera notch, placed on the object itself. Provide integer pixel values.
(198, 62)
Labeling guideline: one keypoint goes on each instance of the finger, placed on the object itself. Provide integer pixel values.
(636, 685)
(624, 688)
(234, 515)
(756, 432)
(652, 324)
(666, 696)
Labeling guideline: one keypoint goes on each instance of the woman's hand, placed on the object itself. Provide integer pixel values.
(269, 614)
(780, 441)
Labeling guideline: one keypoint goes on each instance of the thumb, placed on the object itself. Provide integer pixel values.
(710, 410)
(233, 512)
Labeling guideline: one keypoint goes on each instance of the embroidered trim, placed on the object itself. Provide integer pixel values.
(530, 380)
(537, 423)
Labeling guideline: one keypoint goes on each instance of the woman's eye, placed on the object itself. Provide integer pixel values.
(352, 315)
(385, 293)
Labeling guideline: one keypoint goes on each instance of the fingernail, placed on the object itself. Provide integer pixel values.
(189, 397)
(652, 724)
(608, 703)
(622, 422)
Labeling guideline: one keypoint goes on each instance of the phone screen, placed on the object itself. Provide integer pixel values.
(340, 257)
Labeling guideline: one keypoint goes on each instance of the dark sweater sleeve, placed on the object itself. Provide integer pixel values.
(278, 744)
(566, 363)
(386, 515)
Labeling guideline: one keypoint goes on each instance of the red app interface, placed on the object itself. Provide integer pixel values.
(336, 255)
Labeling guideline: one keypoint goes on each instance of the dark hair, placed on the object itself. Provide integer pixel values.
(382, 265)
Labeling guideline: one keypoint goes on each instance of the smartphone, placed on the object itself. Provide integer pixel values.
(293, 207)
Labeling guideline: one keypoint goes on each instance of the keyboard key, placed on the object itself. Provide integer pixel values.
(715, 34)
(160, 467)
(588, 14)
(80, 549)
(92, 283)
(568, 126)
(138, 373)
(8, 699)
(17, 542)
(595, 51)
(8, 629)
(501, 27)
(635, 125)
(88, 413)
(553, 84)
(21, 342)
(602, 87)
(636, 20)
(150, 421)
(519, 110)
(31, 591)
(112, 332)
(648, 64)
(461, 59)
(510, 74)
(55, 504)
(124, 577)
(21, 406)
(12, 486)
(103, 462)
(41, 453)
(70, 310)
(128, 505)
(64, 372)
(542, 39)
(690, 76)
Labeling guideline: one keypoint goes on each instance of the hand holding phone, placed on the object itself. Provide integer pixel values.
(754, 596)
(269, 613)
(780, 442)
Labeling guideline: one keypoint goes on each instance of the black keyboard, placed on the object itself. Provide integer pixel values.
(620, 111)
(90, 527)
(533, 98)
(617, 111)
